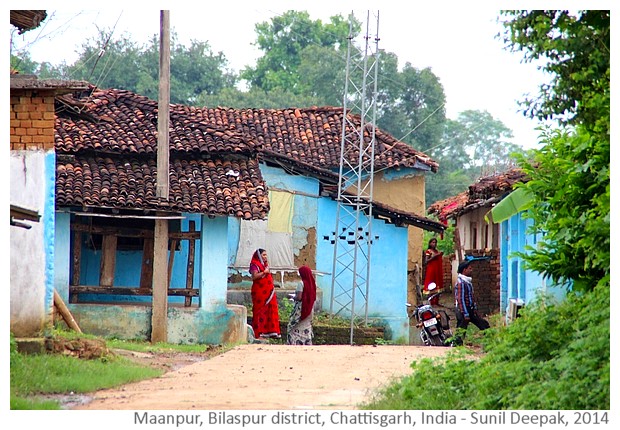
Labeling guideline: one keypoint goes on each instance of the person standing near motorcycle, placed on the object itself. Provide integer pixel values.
(433, 260)
(466, 309)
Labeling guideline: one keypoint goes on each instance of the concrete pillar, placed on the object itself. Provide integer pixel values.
(214, 262)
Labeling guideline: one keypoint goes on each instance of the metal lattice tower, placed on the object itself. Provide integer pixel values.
(352, 234)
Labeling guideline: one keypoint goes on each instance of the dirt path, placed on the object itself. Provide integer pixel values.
(270, 376)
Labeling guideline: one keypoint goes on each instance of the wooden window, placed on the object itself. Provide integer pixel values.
(473, 232)
(129, 232)
(486, 236)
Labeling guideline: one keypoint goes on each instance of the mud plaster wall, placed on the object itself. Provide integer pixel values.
(307, 254)
(304, 221)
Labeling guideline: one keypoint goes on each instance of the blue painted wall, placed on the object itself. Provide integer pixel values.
(517, 282)
(388, 281)
(213, 322)
(213, 257)
(217, 251)
(388, 273)
(128, 264)
(48, 219)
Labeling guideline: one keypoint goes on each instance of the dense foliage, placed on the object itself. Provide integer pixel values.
(570, 181)
(283, 40)
(570, 175)
(473, 145)
(575, 47)
(556, 356)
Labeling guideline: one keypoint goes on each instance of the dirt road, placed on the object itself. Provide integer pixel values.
(270, 376)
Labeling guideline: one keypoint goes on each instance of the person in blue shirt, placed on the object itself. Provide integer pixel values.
(466, 309)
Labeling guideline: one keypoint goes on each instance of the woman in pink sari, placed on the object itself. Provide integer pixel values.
(265, 319)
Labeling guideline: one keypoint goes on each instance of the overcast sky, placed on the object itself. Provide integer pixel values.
(457, 43)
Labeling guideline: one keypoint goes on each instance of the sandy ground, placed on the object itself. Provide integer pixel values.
(270, 376)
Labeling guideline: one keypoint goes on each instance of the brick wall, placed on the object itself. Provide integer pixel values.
(32, 120)
(486, 280)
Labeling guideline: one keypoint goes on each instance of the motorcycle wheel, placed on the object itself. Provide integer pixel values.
(437, 340)
(425, 339)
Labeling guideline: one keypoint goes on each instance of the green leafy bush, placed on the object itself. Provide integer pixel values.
(556, 356)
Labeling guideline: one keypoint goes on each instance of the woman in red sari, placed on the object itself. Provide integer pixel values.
(265, 319)
(434, 267)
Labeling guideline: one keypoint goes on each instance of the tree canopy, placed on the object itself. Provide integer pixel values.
(121, 63)
(570, 175)
(283, 40)
(303, 63)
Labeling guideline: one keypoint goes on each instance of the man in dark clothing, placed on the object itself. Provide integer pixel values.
(465, 304)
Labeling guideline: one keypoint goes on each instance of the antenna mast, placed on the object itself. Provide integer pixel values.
(353, 235)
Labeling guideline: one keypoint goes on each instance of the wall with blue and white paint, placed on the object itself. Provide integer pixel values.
(32, 254)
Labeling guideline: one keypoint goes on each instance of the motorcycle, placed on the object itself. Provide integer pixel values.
(434, 325)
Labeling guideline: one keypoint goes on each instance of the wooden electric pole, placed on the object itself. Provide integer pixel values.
(159, 316)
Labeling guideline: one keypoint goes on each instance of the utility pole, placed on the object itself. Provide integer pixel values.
(159, 316)
(353, 234)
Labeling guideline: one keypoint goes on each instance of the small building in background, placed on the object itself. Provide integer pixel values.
(492, 237)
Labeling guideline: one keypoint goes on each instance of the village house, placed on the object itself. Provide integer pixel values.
(491, 226)
(223, 179)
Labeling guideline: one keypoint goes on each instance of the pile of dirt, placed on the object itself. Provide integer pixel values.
(80, 348)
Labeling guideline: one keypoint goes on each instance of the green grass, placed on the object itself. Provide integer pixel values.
(34, 375)
(141, 346)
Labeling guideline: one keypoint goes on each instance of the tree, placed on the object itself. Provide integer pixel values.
(570, 174)
(121, 63)
(322, 74)
(473, 145)
(570, 183)
(23, 64)
(576, 47)
(411, 104)
(283, 39)
(487, 141)
(254, 98)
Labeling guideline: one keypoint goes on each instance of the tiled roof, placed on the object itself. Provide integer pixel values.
(449, 207)
(313, 135)
(106, 157)
(106, 141)
(216, 186)
(26, 20)
(118, 121)
(485, 192)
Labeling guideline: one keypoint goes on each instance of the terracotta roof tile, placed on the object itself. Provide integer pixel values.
(484, 192)
(106, 141)
(117, 121)
(212, 186)
(313, 135)
(106, 145)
